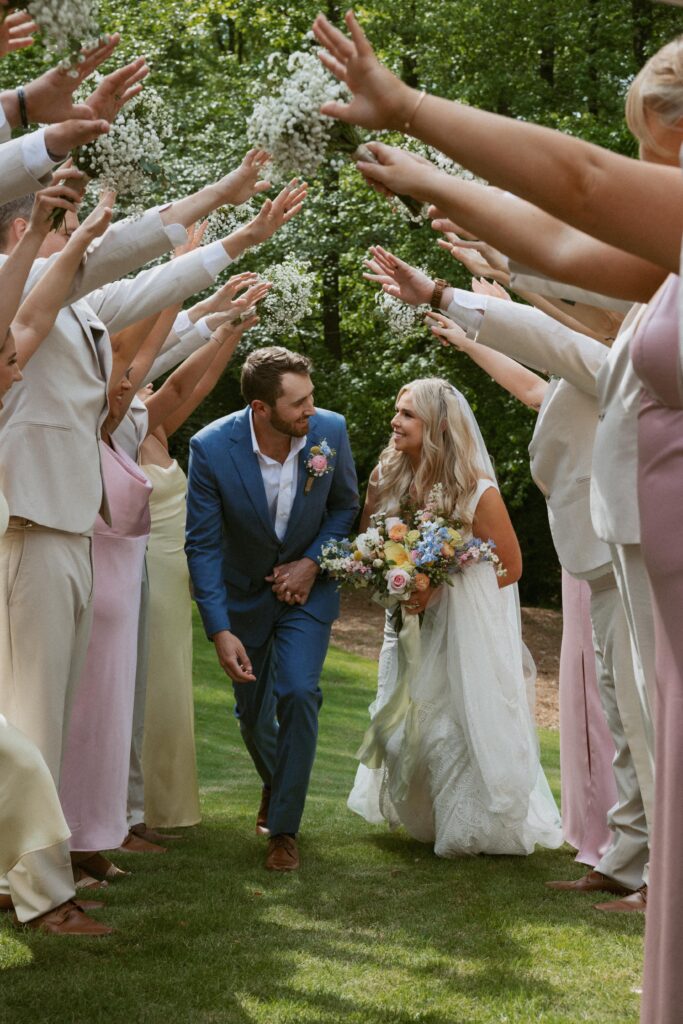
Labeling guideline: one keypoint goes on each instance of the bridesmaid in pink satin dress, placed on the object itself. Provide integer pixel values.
(586, 746)
(657, 361)
(94, 782)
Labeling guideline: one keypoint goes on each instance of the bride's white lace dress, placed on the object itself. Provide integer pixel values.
(458, 749)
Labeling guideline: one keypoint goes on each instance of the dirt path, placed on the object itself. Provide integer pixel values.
(359, 631)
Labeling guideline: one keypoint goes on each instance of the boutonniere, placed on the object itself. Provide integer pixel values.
(318, 462)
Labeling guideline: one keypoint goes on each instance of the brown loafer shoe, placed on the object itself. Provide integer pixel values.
(100, 867)
(594, 881)
(68, 920)
(82, 880)
(283, 854)
(636, 901)
(134, 843)
(262, 816)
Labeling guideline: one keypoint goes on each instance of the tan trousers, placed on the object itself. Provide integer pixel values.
(40, 882)
(45, 618)
(626, 858)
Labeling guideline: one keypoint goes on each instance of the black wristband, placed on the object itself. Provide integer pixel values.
(21, 96)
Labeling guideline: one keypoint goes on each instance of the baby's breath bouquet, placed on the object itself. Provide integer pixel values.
(67, 27)
(289, 300)
(129, 159)
(402, 319)
(289, 125)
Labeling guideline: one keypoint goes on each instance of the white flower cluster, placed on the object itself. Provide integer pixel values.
(289, 124)
(129, 158)
(401, 319)
(289, 300)
(226, 219)
(67, 26)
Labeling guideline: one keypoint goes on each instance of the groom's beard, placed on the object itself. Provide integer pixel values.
(299, 428)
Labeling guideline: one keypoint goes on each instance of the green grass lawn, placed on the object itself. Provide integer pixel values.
(373, 930)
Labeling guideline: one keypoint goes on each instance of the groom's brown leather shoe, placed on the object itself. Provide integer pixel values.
(594, 881)
(636, 901)
(262, 816)
(283, 854)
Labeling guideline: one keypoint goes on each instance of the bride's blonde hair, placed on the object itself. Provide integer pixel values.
(449, 453)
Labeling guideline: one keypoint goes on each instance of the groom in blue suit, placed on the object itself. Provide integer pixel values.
(268, 486)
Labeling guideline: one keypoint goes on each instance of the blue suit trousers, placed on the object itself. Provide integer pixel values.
(278, 712)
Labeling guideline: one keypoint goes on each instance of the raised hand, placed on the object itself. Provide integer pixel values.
(50, 98)
(16, 32)
(222, 299)
(241, 184)
(60, 139)
(398, 278)
(97, 221)
(483, 287)
(399, 172)
(64, 193)
(380, 99)
(480, 258)
(195, 234)
(276, 212)
(117, 88)
(448, 332)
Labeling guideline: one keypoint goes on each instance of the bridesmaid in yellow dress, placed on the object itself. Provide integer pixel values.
(168, 752)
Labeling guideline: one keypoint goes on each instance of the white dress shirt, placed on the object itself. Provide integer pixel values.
(33, 148)
(279, 480)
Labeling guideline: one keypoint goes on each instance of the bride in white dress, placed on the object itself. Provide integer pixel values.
(452, 753)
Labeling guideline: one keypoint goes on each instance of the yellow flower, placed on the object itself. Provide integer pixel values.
(358, 556)
(412, 537)
(397, 554)
(456, 538)
(315, 449)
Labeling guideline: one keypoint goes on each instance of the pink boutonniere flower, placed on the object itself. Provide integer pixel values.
(318, 463)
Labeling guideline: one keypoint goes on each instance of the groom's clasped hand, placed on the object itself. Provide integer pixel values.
(292, 582)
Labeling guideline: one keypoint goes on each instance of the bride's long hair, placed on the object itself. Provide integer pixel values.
(449, 454)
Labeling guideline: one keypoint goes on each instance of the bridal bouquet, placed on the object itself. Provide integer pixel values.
(129, 157)
(301, 139)
(398, 555)
(67, 27)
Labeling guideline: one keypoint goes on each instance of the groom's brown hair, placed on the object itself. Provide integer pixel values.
(264, 369)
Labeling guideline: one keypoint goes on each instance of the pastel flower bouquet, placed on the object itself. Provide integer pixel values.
(398, 555)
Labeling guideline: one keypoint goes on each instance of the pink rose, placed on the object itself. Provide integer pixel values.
(318, 463)
(397, 581)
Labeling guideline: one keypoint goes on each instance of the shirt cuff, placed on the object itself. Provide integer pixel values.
(203, 328)
(182, 324)
(35, 155)
(215, 258)
(467, 311)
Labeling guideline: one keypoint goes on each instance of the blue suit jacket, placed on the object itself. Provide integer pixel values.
(231, 543)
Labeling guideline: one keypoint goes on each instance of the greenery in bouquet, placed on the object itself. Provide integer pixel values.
(398, 555)
(129, 158)
(66, 26)
(288, 124)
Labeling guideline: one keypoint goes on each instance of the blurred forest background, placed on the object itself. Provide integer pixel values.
(561, 63)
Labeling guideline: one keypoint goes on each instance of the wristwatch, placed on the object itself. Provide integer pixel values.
(439, 286)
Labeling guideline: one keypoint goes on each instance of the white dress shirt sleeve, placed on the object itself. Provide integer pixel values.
(215, 258)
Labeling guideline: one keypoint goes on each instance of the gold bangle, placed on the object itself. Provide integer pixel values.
(420, 98)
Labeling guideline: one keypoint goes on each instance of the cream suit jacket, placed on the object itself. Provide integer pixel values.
(49, 429)
(15, 180)
(562, 444)
(614, 481)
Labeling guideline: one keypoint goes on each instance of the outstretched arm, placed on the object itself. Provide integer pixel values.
(194, 379)
(516, 379)
(588, 187)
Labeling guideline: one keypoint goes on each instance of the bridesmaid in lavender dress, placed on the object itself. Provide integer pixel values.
(657, 361)
(94, 781)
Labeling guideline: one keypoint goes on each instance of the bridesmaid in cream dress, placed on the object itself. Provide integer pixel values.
(168, 752)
